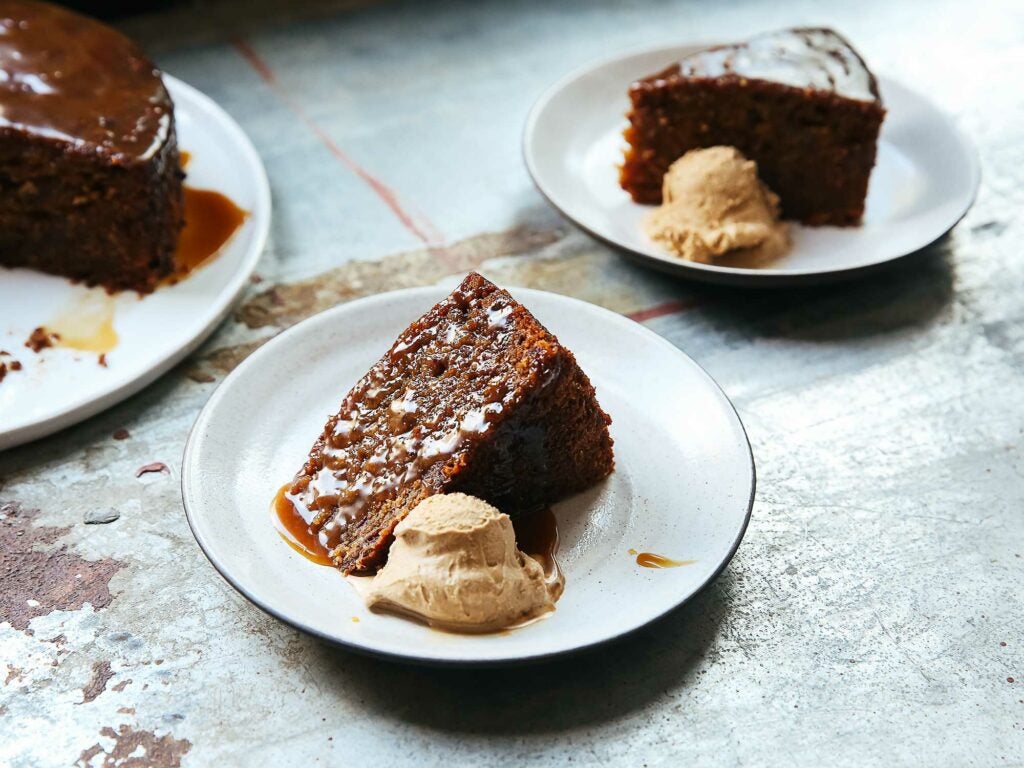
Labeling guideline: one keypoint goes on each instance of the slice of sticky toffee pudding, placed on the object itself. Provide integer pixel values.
(476, 397)
(801, 103)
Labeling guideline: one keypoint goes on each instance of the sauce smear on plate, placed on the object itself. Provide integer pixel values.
(211, 218)
(87, 324)
(651, 560)
(295, 530)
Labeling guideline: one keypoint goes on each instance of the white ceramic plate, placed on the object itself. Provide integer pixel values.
(60, 387)
(683, 485)
(924, 181)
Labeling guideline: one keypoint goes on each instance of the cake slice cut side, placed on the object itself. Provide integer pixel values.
(477, 397)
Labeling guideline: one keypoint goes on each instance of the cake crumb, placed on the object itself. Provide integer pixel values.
(9, 367)
(40, 339)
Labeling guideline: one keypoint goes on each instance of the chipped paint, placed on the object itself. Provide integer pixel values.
(283, 305)
(38, 580)
(131, 748)
(14, 674)
(153, 467)
(208, 367)
(101, 674)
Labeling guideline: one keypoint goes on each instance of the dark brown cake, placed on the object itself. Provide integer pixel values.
(801, 103)
(476, 397)
(90, 183)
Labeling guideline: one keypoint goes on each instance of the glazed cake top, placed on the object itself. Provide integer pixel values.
(444, 385)
(68, 77)
(809, 57)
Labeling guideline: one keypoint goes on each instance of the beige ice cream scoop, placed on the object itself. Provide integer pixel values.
(454, 564)
(715, 206)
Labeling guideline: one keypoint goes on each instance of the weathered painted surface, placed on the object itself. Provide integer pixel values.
(872, 615)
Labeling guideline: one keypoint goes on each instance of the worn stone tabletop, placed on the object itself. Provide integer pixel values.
(873, 614)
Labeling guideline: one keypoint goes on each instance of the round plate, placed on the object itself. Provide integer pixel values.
(60, 387)
(682, 488)
(924, 180)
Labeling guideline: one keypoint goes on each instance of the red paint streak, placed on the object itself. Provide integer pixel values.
(422, 229)
(255, 61)
(156, 466)
(660, 310)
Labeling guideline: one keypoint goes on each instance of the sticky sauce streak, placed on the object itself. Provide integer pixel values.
(651, 560)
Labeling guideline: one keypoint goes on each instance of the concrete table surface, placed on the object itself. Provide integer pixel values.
(873, 613)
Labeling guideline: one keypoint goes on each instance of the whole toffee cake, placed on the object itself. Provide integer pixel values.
(475, 397)
(90, 178)
(801, 103)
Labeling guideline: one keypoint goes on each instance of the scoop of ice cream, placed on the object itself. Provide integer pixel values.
(714, 205)
(454, 564)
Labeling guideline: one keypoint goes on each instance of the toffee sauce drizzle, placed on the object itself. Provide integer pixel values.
(651, 560)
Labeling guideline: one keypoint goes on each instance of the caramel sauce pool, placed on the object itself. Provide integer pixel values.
(294, 530)
(537, 535)
(210, 220)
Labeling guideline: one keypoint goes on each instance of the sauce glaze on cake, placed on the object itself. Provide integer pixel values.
(819, 59)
